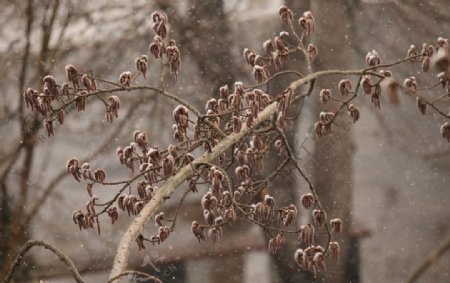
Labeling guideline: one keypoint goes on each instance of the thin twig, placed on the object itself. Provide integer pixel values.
(430, 260)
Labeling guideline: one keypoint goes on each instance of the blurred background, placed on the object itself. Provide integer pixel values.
(387, 176)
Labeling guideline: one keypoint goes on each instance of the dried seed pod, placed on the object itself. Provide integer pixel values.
(86, 171)
(239, 173)
(441, 43)
(142, 65)
(197, 229)
(218, 220)
(366, 85)
(48, 124)
(445, 131)
(308, 200)
(157, 48)
(78, 218)
(260, 73)
(72, 76)
(74, 168)
(65, 89)
(209, 217)
(99, 175)
(326, 117)
(421, 104)
(230, 215)
(113, 214)
(269, 201)
(412, 53)
(335, 250)
(224, 92)
(141, 139)
(31, 98)
(181, 116)
(262, 211)
(249, 56)
(140, 187)
(324, 96)
(120, 201)
(269, 46)
(345, 87)
(286, 14)
(319, 129)
(168, 165)
(173, 54)
(237, 123)
(272, 246)
(353, 112)
(89, 83)
(212, 105)
(373, 59)
(299, 258)
(289, 215)
(427, 50)
(410, 84)
(320, 217)
(319, 261)
(125, 79)
(80, 101)
(312, 51)
(120, 154)
(159, 23)
(276, 243)
(307, 23)
(112, 110)
(306, 234)
(51, 86)
(215, 234)
(336, 225)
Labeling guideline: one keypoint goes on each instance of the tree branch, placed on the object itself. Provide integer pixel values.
(432, 258)
(62, 257)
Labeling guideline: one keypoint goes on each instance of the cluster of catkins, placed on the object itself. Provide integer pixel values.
(438, 57)
(80, 86)
(312, 257)
(278, 49)
(152, 164)
(429, 55)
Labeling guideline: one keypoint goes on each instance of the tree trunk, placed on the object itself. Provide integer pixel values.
(286, 268)
(332, 159)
